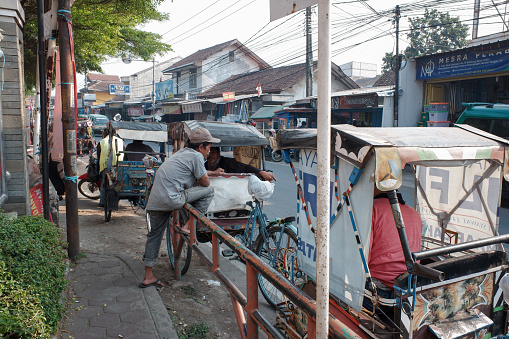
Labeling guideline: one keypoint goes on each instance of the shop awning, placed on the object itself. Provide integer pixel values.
(266, 112)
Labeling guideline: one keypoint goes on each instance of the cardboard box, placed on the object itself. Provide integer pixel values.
(426, 108)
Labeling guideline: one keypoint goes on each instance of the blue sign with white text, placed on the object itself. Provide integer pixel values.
(462, 64)
(119, 89)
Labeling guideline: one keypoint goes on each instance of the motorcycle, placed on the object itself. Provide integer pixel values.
(89, 183)
(277, 156)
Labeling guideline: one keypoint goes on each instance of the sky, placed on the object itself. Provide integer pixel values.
(361, 31)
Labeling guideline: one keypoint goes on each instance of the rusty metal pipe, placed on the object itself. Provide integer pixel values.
(203, 256)
(298, 297)
(69, 129)
(266, 325)
(239, 296)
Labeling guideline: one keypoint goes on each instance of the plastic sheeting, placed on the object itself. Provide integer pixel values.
(230, 193)
(466, 216)
(146, 131)
(230, 134)
(296, 138)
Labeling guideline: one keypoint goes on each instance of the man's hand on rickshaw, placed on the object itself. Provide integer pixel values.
(269, 176)
(217, 171)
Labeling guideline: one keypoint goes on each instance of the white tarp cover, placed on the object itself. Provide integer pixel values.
(444, 187)
(155, 136)
(347, 276)
(230, 193)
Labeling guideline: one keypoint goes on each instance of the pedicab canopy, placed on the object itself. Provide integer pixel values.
(246, 139)
(230, 134)
(457, 176)
(146, 131)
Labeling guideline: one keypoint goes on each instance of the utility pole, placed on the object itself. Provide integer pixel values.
(68, 127)
(396, 71)
(475, 26)
(323, 169)
(309, 54)
(43, 107)
(154, 85)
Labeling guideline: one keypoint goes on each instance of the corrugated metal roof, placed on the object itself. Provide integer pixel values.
(266, 112)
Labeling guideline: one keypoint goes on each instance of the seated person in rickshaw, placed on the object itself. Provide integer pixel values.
(85, 141)
(218, 164)
(140, 150)
(386, 260)
(174, 186)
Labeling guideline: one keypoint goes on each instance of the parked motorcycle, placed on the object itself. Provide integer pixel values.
(89, 183)
(277, 156)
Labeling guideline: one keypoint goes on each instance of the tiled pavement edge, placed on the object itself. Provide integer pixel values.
(106, 302)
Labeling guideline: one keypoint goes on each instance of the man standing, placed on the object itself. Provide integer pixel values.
(174, 185)
(103, 154)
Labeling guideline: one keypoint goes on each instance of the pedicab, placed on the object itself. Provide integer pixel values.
(236, 208)
(229, 208)
(132, 180)
(452, 287)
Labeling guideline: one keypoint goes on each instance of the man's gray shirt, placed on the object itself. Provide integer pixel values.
(178, 173)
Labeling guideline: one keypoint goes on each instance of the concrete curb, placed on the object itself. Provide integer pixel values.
(158, 311)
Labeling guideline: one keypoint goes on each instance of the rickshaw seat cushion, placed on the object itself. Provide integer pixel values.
(459, 267)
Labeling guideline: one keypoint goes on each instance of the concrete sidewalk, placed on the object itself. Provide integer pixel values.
(104, 301)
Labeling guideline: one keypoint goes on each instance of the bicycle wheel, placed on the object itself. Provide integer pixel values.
(278, 250)
(89, 189)
(184, 260)
(276, 156)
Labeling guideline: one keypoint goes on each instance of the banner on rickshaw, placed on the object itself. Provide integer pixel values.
(474, 206)
(347, 277)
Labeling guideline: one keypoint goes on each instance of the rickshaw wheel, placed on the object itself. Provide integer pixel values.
(282, 259)
(107, 211)
(186, 253)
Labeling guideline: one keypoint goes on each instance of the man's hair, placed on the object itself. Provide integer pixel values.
(196, 146)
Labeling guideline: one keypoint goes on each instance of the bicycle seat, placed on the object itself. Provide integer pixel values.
(288, 220)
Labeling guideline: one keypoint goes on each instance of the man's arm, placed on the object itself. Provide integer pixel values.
(233, 166)
(204, 181)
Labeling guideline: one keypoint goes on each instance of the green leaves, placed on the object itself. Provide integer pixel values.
(101, 29)
(435, 32)
(32, 277)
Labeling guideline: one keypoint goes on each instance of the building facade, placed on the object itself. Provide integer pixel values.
(14, 192)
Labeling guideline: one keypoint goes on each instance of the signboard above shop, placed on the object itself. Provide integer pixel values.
(228, 96)
(462, 63)
(192, 108)
(119, 89)
(164, 90)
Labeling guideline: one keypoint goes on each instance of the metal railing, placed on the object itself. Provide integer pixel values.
(248, 324)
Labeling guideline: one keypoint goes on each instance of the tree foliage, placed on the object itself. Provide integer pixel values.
(388, 62)
(101, 29)
(434, 32)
